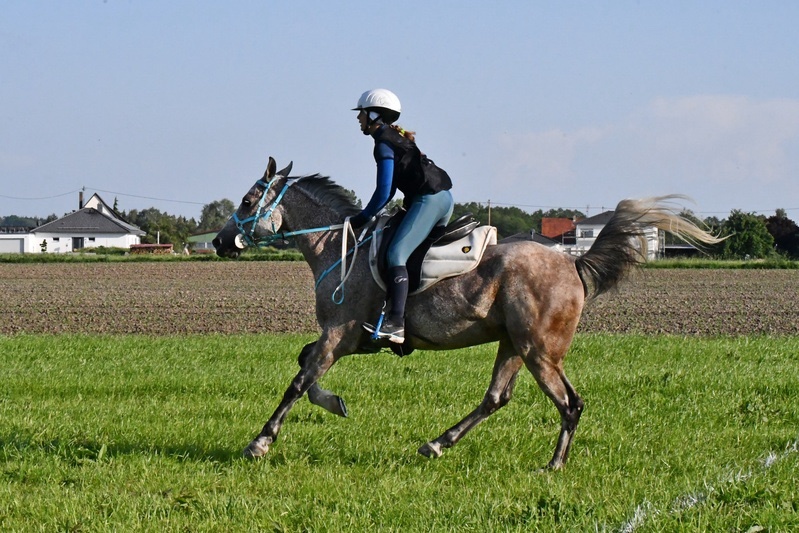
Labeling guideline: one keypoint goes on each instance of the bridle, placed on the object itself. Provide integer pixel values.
(246, 236)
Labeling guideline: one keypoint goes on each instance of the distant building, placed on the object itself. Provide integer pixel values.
(93, 224)
(588, 229)
(561, 230)
(201, 242)
(577, 237)
(554, 228)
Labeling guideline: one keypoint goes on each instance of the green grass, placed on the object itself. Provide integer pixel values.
(144, 434)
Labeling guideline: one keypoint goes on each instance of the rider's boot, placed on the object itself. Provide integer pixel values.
(393, 327)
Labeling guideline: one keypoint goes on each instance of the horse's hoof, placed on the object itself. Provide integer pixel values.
(342, 408)
(257, 448)
(550, 467)
(431, 450)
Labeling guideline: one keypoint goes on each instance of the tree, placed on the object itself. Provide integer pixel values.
(354, 197)
(162, 227)
(748, 236)
(563, 213)
(508, 220)
(785, 233)
(215, 214)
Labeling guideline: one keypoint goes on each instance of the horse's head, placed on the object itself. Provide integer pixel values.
(257, 215)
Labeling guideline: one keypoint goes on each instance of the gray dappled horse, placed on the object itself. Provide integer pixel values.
(524, 295)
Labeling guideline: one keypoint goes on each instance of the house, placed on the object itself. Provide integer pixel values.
(201, 242)
(93, 224)
(554, 228)
(13, 239)
(559, 229)
(587, 230)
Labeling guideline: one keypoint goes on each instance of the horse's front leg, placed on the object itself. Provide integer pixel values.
(319, 359)
(327, 400)
(319, 396)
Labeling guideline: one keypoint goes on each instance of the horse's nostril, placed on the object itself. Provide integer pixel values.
(216, 242)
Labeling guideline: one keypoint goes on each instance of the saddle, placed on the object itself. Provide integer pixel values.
(447, 252)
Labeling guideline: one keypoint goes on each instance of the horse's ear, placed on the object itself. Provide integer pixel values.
(270, 169)
(285, 171)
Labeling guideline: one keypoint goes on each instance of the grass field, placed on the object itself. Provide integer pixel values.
(144, 433)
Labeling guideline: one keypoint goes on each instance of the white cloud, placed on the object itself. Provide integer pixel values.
(726, 139)
(548, 154)
(722, 150)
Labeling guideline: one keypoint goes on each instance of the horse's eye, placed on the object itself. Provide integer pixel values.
(246, 202)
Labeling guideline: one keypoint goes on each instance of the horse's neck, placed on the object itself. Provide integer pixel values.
(320, 248)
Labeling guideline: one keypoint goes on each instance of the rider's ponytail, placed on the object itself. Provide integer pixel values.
(410, 135)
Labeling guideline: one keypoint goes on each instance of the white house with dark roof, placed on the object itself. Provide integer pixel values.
(588, 229)
(95, 224)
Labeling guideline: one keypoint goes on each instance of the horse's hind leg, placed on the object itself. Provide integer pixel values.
(555, 384)
(506, 368)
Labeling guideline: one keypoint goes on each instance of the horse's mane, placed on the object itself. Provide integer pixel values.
(326, 192)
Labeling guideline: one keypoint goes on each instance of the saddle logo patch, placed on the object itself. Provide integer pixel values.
(466, 249)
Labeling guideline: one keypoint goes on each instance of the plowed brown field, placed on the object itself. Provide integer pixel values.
(165, 298)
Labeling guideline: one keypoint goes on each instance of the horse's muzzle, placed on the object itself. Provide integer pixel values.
(228, 251)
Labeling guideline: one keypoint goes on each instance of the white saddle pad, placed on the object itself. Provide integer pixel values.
(441, 262)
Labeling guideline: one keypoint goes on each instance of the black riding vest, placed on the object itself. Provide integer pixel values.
(414, 173)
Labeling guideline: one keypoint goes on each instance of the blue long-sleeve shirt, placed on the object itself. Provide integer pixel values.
(384, 188)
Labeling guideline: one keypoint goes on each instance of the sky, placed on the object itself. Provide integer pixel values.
(176, 104)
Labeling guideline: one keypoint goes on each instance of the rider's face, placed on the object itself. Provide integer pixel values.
(363, 120)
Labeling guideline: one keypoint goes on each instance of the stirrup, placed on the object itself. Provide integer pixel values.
(393, 332)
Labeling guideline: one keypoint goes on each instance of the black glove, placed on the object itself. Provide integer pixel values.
(358, 220)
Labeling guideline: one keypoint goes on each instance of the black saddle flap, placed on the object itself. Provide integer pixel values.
(457, 229)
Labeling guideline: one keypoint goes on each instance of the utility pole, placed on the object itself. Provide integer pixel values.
(489, 211)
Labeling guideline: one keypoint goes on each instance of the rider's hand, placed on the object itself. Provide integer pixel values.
(358, 221)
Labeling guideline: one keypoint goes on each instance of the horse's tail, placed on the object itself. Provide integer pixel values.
(622, 244)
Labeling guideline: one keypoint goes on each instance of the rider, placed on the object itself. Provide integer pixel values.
(400, 165)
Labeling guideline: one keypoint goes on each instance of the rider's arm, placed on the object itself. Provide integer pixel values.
(384, 190)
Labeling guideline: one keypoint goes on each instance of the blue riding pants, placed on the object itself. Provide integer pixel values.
(425, 212)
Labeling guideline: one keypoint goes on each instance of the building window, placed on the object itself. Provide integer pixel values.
(91, 239)
(55, 239)
(587, 234)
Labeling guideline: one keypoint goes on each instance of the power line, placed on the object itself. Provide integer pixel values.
(39, 198)
(149, 197)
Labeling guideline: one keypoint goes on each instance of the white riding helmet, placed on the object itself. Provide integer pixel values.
(381, 101)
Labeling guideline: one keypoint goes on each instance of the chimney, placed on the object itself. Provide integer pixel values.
(80, 199)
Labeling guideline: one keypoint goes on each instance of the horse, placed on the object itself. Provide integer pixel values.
(525, 296)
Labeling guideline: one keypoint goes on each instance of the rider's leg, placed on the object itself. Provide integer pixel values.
(424, 213)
